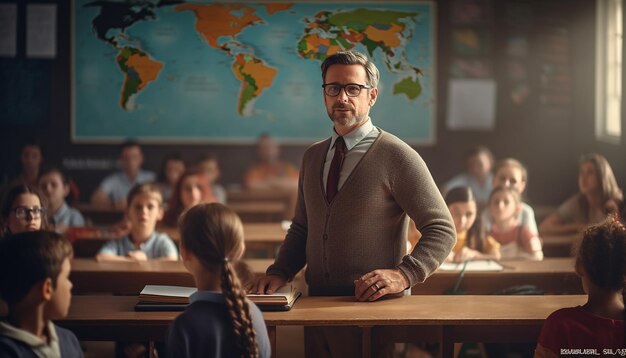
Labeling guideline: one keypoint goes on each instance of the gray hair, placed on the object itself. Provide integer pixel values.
(352, 58)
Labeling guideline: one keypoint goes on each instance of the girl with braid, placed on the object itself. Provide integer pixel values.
(597, 327)
(219, 321)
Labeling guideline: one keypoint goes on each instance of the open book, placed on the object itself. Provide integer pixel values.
(158, 297)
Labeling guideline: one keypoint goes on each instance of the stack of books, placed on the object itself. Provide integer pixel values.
(176, 298)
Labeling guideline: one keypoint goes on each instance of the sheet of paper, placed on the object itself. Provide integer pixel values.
(169, 291)
(471, 104)
(8, 30)
(476, 265)
(41, 30)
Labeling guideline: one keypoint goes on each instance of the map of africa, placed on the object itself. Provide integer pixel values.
(211, 72)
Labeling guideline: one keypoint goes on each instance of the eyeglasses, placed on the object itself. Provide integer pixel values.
(352, 89)
(22, 212)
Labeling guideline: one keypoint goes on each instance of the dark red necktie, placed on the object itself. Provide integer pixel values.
(335, 169)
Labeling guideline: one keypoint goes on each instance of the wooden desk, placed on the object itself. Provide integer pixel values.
(265, 237)
(560, 245)
(260, 211)
(553, 275)
(446, 319)
(90, 276)
(100, 216)
(285, 196)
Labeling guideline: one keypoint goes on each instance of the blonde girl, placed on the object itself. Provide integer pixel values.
(517, 242)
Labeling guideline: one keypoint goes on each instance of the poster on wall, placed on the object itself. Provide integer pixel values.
(204, 72)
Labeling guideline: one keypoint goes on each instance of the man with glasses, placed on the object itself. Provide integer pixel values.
(350, 225)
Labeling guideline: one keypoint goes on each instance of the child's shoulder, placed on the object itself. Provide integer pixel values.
(68, 343)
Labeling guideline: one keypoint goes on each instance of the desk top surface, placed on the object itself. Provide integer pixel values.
(408, 310)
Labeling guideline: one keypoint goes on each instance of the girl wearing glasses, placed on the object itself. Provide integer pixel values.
(23, 209)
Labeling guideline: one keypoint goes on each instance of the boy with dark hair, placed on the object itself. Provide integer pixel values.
(34, 282)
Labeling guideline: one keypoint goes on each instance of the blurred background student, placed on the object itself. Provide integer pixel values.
(471, 240)
(270, 172)
(192, 189)
(598, 196)
(211, 167)
(55, 187)
(114, 188)
(172, 168)
(479, 162)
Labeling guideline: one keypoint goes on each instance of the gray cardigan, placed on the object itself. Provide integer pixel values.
(365, 226)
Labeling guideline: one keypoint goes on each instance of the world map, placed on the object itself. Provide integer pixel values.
(226, 72)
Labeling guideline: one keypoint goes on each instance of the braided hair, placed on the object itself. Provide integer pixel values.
(214, 234)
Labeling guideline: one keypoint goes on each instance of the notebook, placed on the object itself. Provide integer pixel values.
(473, 265)
(176, 298)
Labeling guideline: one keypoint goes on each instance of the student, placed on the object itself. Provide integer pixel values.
(471, 240)
(209, 165)
(23, 209)
(511, 172)
(478, 176)
(220, 321)
(192, 188)
(35, 284)
(173, 167)
(598, 196)
(114, 188)
(54, 185)
(143, 243)
(30, 161)
(270, 172)
(599, 323)
(516, 242)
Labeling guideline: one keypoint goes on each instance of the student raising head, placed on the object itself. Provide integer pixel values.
(34, 282)
(220, 321)
(598, 196)
(599, 323)
(192, 188)
(55, 186)
(511, 172)
(516, 241)
(144, 243)
(471, 243)
(23, 209)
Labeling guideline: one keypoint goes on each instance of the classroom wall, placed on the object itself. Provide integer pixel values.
(549, 145)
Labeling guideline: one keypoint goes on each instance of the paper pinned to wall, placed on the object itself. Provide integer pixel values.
(471, 104)
(41, 30)
(8, 30)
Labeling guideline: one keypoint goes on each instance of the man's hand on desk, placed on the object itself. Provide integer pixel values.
(266, 285)
(376, 284)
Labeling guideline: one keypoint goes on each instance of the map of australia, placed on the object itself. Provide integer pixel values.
(229, 71)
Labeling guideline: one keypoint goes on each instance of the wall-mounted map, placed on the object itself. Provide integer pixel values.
(175, 71)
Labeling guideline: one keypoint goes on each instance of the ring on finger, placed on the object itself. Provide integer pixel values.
(376, 286)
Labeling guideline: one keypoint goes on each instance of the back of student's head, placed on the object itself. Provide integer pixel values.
(213, 233)
(9, 198)
(476, 232)
(148, 189)
(28, 258)
(602, 254)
